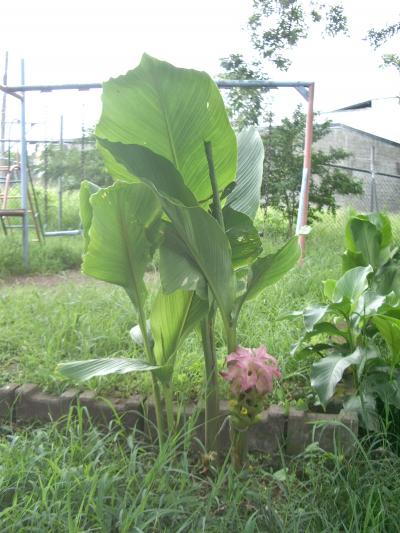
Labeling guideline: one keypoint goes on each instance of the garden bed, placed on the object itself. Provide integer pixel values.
(278, 431)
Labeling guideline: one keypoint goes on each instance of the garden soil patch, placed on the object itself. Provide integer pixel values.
(52, 280)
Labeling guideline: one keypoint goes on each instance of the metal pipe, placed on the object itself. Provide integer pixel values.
(64, 233)
(302, 214)
(3, 108)
(354, 169)
(24, 178)
(60, 178)
(374, 195)
(223, 84)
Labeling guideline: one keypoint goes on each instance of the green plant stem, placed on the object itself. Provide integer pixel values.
(231, 338)
(239, 442)
(168, 398)
(156, 388)
(211, 374)
(217, 209)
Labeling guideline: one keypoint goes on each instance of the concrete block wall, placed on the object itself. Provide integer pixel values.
(387, 160)
(275, 433)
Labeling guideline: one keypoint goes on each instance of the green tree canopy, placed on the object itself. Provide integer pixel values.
(283, 170)
(73, 163)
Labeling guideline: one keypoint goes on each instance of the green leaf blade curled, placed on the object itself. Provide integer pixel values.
(245, 197)
(173, 316)
(389, 328)
(243, 237)
(85, 209)
(119, 250)
(326, 373)
(172, 111)
(90, 368)
(269, 269)
(352, 284)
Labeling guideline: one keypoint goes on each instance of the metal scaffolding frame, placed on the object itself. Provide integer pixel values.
(306, 89)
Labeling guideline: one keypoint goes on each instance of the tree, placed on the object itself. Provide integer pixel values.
(276, 26)
(73, 163)
(283, 170)
(379, 37)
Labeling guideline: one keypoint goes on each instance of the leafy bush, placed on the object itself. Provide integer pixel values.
(357, 333)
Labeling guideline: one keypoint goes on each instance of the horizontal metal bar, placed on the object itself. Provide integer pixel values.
(50, 141)
(223, 84)
(64, 233)
(385, 174)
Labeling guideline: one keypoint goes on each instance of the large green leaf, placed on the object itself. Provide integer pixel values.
(389, 328)
(243, 237)
(172, 111)
(152, 168)
(312, 315)
(177, 268)
(352, 259)
(245, 197)
(90, 368)
(269, 269)
(366, 238)
(202, 237)
(326, 373)
(388, 279)
(119, 248)
(85, 208)
(173, 316)
(366, 409)
(352, 284)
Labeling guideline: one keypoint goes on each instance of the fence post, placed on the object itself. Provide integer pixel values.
(374, 194)
(302, 214)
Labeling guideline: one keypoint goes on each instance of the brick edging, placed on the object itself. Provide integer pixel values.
(276, 431)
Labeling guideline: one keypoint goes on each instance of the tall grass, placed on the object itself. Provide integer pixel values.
(55, 255)
(62, 478)
(43, 325)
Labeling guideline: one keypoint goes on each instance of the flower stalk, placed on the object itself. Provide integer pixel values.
(250, 373)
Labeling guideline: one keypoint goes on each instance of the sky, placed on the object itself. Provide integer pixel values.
(83, 41)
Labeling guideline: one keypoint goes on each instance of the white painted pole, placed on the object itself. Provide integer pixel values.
(302, 214)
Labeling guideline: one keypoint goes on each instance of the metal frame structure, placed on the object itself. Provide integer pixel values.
(306, 89)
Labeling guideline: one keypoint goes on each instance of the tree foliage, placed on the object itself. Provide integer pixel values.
(73, 163)
(283, 170)
(276, 27)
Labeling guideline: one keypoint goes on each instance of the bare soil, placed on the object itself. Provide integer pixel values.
(52, 280)
(46, 280)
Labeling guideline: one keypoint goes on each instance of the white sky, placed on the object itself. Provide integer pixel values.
(89, 41)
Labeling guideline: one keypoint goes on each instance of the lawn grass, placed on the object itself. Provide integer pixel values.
(55, 255)
(64, 478)
(44, 325)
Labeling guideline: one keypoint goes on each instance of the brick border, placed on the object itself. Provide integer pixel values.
(276, 432)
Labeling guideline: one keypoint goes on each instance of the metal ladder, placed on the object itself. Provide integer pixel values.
(10, 197)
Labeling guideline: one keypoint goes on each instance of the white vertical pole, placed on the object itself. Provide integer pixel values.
(302, 214)
(24, 177)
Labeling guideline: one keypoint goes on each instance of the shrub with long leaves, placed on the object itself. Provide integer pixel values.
(187, 186)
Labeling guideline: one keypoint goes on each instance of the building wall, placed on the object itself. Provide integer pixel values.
(387, 160)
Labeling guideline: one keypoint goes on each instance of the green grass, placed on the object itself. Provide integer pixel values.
(44, 325)
(62, 478)
(55, 255)
(66, 477)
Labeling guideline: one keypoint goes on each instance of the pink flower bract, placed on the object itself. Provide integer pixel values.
(251, 368)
